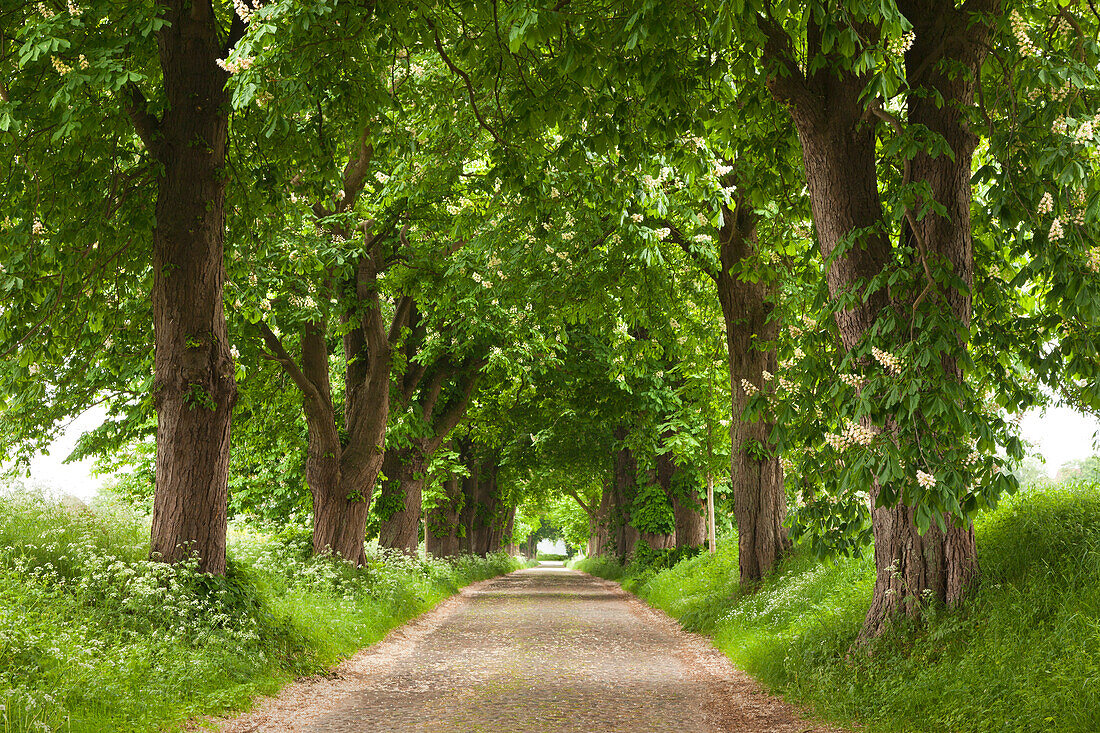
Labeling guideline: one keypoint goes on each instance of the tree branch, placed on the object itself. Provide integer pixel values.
(677, 238)
(400, 317)
(355, 172)
(575, 495)
(278, 353)
(466, 79)
(788, 85)
(146, 125)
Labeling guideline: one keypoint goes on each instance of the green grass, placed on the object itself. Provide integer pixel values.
(1022, 655)
(94, 637)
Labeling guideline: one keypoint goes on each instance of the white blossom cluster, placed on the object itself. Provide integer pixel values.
(900, 45)
(73, 8)
(1046, 204)
(852, 434)
(244, 10)
(45, 11)
(637, 218)
(703, 238)
(1092, 259)
(237, 65)
(926, 480)
(38, 227)
(1019, 29)
(1084, 133)
(662, 233)
(60, 66)
(749, 387)
(852, 381)
(892, 363)
(1056, 231)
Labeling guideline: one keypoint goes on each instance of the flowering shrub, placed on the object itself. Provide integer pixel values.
(94, 636)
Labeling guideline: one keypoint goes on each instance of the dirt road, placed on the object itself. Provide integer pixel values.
(544, 649)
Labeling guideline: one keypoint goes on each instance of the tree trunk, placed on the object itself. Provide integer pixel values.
(759, 501)
(509, 528)
(623, 534)
(442, 526)
(691, 527)
(599, 531)
(942, 563)
(194, 389)
(400, 499)
(470, 497)
(839, 154)
(485, 520)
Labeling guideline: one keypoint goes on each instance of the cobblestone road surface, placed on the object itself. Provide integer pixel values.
(544, 649)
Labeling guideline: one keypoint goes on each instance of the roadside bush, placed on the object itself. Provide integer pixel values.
(95, 637)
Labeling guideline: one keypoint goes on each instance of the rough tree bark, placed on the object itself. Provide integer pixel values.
(838, 145)
(194, 389)
(759, 501)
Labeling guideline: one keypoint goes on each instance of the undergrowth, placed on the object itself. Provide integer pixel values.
(95, 637)
(1023, 654)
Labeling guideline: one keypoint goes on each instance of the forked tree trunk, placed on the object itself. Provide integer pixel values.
(839, 153)
(194, 389)
(400, 499)
(759, 501)
(509, 527)
(400, 503)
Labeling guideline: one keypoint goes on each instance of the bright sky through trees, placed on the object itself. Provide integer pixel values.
(1059, 434)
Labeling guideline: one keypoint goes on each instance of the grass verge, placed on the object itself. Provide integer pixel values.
(94, 637)
(1022, 655)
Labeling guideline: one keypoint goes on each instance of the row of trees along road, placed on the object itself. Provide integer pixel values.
(451, 261)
